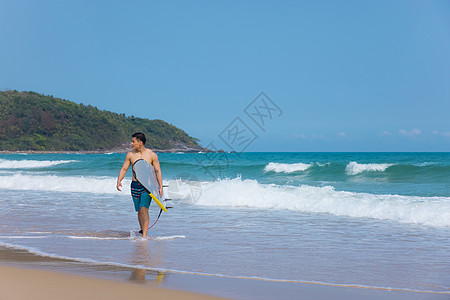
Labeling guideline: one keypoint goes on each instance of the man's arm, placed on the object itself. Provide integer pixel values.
(123, 170)
(157, 167)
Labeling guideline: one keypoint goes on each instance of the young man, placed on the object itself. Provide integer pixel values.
(140, 197)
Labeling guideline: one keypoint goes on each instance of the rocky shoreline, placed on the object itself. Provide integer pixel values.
(121, 149)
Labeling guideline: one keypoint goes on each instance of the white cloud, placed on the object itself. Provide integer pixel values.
(410, 133)
(318, 136)
(299, 136)
(387, 133)
(444, 133)
(342, 134)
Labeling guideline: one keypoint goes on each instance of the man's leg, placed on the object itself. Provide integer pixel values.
(143, 220)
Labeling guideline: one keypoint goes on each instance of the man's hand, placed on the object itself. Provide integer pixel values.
(123, 171)
(161, 191)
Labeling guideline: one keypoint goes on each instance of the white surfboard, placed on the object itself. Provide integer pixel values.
(146, 175)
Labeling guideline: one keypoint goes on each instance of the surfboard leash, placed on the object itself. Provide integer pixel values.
(160, 211)
(159, 215)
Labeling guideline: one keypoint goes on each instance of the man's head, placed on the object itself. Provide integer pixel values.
(140, 137)
(138, 140)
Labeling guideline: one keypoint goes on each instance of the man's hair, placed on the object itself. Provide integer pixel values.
(140, 136)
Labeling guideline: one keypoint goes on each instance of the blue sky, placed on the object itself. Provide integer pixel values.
(345, 75)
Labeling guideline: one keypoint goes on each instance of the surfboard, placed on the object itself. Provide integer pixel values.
(146, 175)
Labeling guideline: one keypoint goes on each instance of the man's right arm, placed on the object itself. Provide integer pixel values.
(123, 171)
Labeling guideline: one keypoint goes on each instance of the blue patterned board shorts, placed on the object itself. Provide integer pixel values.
(140, 196)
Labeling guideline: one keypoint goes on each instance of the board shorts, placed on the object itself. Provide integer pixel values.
(140, 196)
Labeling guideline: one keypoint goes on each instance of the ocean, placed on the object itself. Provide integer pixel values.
(375, 220)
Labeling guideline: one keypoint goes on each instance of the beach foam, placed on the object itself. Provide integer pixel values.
(236, 192)
(31, 164)
(286, 168)
(434, 211)
(81, 184)
(354, 168)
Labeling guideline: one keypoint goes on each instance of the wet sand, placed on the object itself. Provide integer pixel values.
(24, 275)
(18, 283)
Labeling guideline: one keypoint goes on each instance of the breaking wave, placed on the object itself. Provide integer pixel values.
(31, 164)
(235, 193)
(354, 168)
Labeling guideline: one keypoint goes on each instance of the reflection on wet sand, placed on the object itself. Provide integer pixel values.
(142, 257)
(138, 275)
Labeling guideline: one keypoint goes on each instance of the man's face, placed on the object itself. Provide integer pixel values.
(135, 143)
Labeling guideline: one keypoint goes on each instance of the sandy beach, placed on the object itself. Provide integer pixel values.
(18, 283)
(24, 275)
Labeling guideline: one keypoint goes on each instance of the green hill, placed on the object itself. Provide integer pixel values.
(31, 121)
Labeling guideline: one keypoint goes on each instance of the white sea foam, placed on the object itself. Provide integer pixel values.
(98, 238)
(31, 164)
(131, 236)
(81, 184)
(186, 190)
(286, 168)
(22, 237)
(165, 238)
(434, 211)
(353, 168)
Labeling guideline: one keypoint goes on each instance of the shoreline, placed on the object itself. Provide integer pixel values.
(83, 280)
(171, 285)
(114, 150)
(44, 284)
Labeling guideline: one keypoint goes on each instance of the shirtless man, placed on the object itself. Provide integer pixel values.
(140, 197)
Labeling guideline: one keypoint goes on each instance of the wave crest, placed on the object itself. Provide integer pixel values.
(286, 168)
(434, 211)
(353, 168)
(80, 184)
(31, 164)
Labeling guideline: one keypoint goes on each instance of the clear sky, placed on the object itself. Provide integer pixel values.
(341, 75)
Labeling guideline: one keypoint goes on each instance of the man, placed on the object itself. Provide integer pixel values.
(140, 197)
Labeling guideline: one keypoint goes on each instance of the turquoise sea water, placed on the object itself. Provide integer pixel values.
(365, 219)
